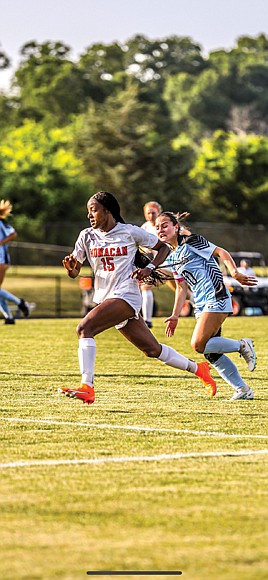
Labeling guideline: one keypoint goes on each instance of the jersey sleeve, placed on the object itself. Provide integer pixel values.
(143, 238)
(201, 246)
(6, 230)
(79, 251)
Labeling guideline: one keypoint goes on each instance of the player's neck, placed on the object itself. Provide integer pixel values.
(109, 224)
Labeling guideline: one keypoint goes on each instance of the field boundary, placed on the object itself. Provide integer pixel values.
(131, 459)
(134, 428)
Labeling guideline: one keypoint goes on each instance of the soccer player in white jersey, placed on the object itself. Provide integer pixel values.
(151, 210)
(193, 264)
(110, 245)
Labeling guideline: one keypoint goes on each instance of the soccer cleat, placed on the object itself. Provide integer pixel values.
(84, 392)
(248, 353)
(243, 393)
(23, 307)
(203, 373)
(9, 321)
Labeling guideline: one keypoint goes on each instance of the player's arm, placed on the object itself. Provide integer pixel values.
(231, 266)
(8, 239)
(180, 297)
(72, 266)
(162, 250)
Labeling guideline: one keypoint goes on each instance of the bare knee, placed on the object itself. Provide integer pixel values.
(152, 351)
(198, 345)
(83, 329)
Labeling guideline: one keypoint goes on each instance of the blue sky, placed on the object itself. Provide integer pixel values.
(79, 23)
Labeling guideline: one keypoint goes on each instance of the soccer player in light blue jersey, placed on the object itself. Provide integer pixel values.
(193, 265)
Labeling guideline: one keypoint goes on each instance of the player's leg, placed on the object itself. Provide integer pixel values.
(147, 304)
(104, 316)
(3, 303)
(206, 339)
(3, 269)
(137, 332)
(207, 325)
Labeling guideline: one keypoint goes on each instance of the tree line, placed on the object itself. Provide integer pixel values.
(144, 119)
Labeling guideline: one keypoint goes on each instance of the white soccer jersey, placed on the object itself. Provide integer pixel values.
(149, 227)
(111, 256)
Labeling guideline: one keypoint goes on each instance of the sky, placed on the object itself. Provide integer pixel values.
(79, 23)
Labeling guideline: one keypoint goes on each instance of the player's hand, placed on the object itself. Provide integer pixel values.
(245, 280)
(171, 323)
(69, 262)
(141, 273)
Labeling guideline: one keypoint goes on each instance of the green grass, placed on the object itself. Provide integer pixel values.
(206, 516)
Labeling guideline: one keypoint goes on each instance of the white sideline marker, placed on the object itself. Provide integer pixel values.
(161, 457)
(134, 428)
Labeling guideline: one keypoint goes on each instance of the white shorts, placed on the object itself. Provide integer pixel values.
(134, 300)
(224, 305)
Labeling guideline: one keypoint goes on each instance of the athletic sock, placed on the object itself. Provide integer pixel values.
(86, 357)
(172, 358)
(228, 371)
(8, 296)
(219, 344)
(147, 305)
(4, 308)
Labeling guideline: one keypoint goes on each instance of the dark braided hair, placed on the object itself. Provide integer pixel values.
(110, 203)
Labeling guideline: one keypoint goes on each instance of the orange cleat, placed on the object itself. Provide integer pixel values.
(203, 373)
(84, 392)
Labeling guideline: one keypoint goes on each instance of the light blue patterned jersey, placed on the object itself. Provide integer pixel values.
(5, 231)
(194, 262)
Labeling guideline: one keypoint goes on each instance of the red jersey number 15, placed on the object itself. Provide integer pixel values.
(108, 264)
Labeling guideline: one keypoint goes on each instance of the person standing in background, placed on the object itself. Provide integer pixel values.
(151, 210)
(7, 233)
(245, 268)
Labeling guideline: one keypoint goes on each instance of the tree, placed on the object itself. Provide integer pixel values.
(230, 176)
(43, 179)
(50, 85)
(128, 148)
(4, 60)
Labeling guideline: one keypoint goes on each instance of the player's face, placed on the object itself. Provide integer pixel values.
(166, 230)
(151, 214)
(97, 214)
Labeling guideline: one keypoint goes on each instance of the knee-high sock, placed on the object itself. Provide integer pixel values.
(218, 344)
(4, 308)
(172, 358)
(147, 305)
(8, 296)
(228, 371)
(86, 357)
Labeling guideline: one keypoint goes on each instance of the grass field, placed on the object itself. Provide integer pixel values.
(154, 476)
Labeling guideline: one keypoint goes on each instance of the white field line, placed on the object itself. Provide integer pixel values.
(163, 457)
(134, 428)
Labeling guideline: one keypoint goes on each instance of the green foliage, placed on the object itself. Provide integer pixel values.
(230, 174)
(139, 119)
(127, 147)
(43, 179)
(50, 84)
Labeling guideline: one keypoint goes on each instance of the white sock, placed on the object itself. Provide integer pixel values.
(86, 357)
(147, 305)
(172, 358)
